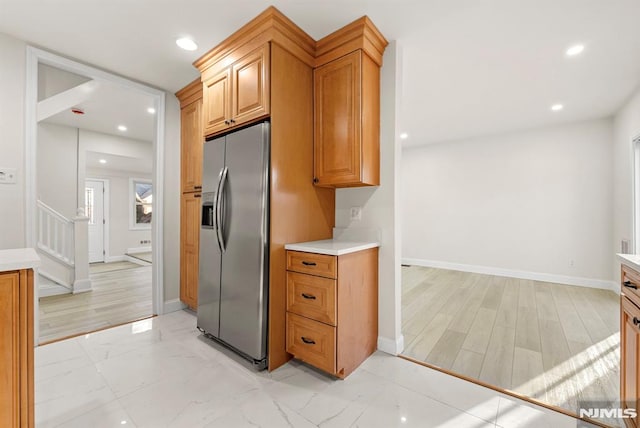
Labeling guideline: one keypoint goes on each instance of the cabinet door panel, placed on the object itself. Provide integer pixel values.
(191, 151)
(312, 342)
(189, 248)
(312, 297)
(217, 102)
(9, 350)
(629, 356)
(337, 87)
(250, 78)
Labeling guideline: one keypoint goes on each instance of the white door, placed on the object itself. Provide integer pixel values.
(94, 209)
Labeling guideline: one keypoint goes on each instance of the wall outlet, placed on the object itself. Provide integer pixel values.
(356, 213)
(625, 246)
(7, 176)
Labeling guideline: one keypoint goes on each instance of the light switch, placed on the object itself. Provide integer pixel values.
(7, 176)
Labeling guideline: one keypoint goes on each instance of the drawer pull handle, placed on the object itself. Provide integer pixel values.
(313, 342)
(309, 296)
(630, 284)
(308, 263)
(636, 321)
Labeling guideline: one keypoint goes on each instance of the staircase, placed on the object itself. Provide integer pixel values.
(63, 243)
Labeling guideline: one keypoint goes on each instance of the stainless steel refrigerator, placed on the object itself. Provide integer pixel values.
(234, 242)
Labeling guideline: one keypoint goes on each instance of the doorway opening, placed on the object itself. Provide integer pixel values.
(81, 164)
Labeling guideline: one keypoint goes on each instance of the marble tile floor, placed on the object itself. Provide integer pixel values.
(161, 372)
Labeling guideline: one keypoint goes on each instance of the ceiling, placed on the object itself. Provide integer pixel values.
(105, 108)
(119, 163)
(470, 67)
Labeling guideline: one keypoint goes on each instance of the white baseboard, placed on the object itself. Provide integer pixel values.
(135, 250)
(536, 276)
(136, 261)
(52, 290)
(54, 279)
(390, 346)
(113, 259)
(173, 306)
(81, 286)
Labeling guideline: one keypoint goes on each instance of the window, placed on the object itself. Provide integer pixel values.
(141, 203)
(88, 205)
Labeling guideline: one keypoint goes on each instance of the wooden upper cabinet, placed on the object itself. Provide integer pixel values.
(191, 147)
(338, 129)
(238, 93)
(191, 140)
(347, 106)
(217, 102)
(250, 83)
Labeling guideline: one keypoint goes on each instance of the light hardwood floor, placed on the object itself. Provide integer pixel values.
(553, 342)
(117, 297)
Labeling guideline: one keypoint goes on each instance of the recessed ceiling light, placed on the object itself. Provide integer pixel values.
(404, 136)
(102, 161)
(122, 128)
(557, 107)
(575, 50)
(187, 44)
(151, 110)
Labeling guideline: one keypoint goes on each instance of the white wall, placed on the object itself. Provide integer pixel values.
(379, 207)
(57, 167)
(626, 127)
(536, 201)
(120, 236)
(12, 95)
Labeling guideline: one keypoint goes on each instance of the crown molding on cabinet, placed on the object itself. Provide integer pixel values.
(272, 26)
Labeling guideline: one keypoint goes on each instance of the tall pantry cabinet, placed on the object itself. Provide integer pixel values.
(191, 146)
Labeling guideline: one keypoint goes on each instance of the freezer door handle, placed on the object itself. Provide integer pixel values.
(218, 208)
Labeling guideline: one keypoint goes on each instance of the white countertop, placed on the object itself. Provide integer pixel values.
(18, 258)
(332, 247)
(631, 260)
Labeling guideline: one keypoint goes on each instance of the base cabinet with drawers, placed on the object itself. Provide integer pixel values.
(332, 309)
(630, 342)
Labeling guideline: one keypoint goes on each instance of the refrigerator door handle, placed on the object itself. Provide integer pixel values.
(219, 225)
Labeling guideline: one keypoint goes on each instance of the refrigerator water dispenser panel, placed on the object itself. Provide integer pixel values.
(207, 210)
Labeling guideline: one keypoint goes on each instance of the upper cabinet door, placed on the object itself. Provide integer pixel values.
(338, 130)
(217, 102)
(192, 144)
(238, 93)
(250, 82)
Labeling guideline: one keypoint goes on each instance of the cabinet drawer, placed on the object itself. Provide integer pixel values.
(311, 263)
(631, 278)
(312, 297)
(312, 342)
